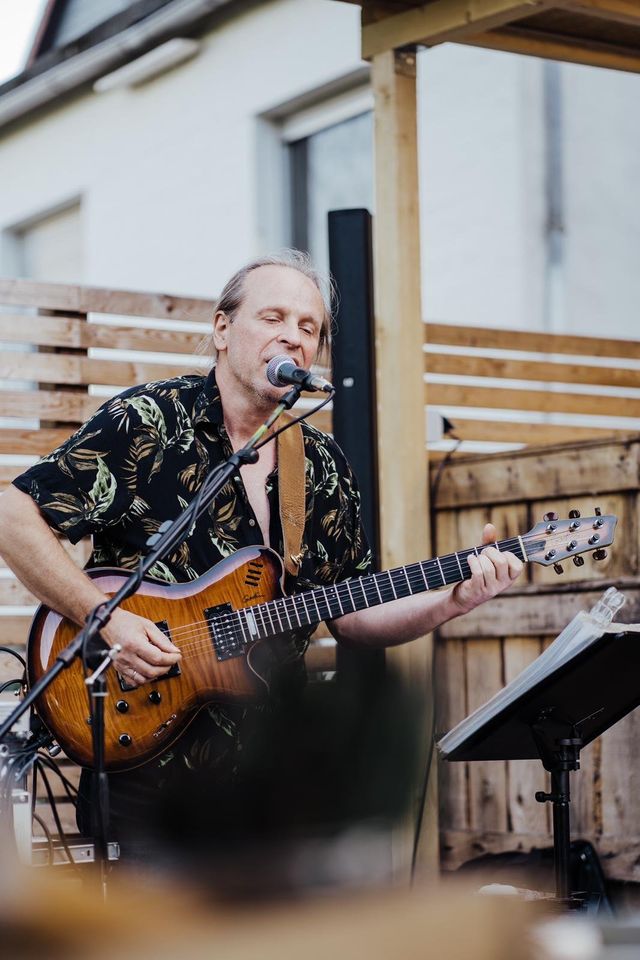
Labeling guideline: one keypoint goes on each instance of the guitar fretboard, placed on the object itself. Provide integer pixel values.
(233, 631)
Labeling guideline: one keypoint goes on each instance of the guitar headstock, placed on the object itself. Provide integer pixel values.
(554, 540)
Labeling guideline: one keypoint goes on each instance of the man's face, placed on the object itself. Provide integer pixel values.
(281, 314)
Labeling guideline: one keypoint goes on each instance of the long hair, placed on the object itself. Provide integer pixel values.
(232, 295)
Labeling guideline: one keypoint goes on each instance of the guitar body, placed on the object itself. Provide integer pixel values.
(142, 722)
(223, 623)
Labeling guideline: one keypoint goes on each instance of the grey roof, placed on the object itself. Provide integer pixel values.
(63, 62)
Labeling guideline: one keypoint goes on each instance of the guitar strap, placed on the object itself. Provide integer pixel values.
(291, 491)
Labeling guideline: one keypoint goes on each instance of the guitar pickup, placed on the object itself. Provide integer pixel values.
(174, 671)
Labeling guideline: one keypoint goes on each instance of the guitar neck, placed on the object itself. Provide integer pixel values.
(310, 608)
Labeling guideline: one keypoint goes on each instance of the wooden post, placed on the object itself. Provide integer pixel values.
(403, 474)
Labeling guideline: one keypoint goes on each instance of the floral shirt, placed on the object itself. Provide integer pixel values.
(138, 462)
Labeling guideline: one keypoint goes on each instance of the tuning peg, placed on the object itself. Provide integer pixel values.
(558, 568)
(579, 561)
(550, 516)
(574, 514)
(598, 512)
(600, 555)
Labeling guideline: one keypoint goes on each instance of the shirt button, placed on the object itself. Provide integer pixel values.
(252, 523)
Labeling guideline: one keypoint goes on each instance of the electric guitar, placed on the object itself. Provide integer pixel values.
(223, 622)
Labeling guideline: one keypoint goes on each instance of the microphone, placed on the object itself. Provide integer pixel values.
(281, 372)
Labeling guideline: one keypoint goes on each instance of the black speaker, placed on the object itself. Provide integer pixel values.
(353, 353)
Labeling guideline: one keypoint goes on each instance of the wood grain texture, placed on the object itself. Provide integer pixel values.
(203, 677)
(487, 780)
(529, 342)
(590, 468)
(524, 777)
(69, 298)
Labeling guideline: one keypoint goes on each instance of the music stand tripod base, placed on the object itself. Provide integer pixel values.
(559, 745)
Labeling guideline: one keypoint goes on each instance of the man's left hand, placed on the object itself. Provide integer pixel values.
(491, 573)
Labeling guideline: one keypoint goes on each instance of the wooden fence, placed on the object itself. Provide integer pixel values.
(523, 382)
(61, 361)
(490, 807)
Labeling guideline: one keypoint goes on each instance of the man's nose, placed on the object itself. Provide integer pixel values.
(290, 334)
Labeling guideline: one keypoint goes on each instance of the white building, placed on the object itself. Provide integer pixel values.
(177, 138)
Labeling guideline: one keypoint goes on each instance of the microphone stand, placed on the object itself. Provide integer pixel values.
(170, 534)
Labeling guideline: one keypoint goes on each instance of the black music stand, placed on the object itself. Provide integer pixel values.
(554, 719)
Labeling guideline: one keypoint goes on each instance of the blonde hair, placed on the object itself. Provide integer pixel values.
(233, 293)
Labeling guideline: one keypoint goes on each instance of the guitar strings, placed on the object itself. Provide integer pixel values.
(193, 635)
(383, 582)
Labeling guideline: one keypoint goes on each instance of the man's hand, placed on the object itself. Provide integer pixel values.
(492, 572)
(147, 653)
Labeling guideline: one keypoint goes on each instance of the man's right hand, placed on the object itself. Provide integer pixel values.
(147, 653)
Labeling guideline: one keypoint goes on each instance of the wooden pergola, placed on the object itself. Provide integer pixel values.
(603, 33)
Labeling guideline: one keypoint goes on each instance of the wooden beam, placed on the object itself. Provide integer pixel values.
(404, 530)
(443, 20)
(545, 371)
(596, 465)
(502, 339)
(551, 48)
(60, 296)
(540, 401)
(507, 431)
(64, 331)
(618, 11)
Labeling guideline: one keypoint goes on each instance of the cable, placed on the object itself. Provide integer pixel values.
(47, 835)
(14, 654)
(54, 810)
(70, 788)
(9, 683)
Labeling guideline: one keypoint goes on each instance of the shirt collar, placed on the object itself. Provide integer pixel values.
(207, 408)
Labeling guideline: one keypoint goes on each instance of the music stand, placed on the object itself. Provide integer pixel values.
(555, 718)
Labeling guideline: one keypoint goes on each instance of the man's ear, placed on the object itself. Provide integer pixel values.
(221, 324)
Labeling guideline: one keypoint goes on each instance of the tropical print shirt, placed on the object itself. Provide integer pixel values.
(138, 462)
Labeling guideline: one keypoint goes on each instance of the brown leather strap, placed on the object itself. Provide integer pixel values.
(291, 489)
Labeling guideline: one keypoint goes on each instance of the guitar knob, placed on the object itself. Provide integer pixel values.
(574, 514)
(558, 568)
(122, 706)
(124, 740)
(155, 696)
(600, 555)
(548, 517)
(579, 561)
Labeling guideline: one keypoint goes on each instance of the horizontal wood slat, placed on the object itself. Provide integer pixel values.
(504, 398)
(14, 631)
(62, 368)
(36, 442)
(12, 593)
(545, 371)
(538, 472)
(66, 405)
(505, 431)
(502, 339)
(57, 296)
(78, 333)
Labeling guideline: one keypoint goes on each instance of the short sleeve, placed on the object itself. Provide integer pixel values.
(89, 482)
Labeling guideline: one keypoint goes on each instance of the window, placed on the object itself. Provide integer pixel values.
(331, 167)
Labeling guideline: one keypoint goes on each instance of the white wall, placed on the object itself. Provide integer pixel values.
(167, 171)
(180, 178)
